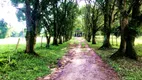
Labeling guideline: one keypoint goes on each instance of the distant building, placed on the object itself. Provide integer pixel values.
(78, 33)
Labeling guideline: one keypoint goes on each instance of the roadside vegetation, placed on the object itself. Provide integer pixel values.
(58, 21)
(126, 68)
(20, 66)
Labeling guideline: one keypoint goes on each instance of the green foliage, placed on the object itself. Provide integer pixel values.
(20, 15)
(138, 48)
(78, 26)
(21, 66)
(14, 34)
(17, 34)
(21, 34)
(116, 31)
(16, 2)
(3, 29)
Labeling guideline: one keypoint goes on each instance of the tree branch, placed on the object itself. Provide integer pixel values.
(20, 9)
(131, 6)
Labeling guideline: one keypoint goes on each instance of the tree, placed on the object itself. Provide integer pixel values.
(92, 19)
(55, 23)
(128, 28)
(105, 8)
(87, 20)
(32, 20)
(95, 19)
(3, 28)
(48, 27)
(68, 11)
(32, 13)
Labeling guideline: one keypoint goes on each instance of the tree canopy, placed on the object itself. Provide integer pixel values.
(58, 19)
(3, 28)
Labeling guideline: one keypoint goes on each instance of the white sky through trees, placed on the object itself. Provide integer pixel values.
(8, 13)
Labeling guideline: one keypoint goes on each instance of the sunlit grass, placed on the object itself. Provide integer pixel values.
(138, 43)
(16, 65)
(20, 66)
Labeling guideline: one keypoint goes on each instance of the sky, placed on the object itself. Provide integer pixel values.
(81, 3)
(8, 13)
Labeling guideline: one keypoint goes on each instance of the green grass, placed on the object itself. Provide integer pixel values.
(138, 49)
(127, 69)
(20, 66)
(138, 43)
(82, 44)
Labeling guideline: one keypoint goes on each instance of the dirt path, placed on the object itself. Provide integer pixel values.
(82, 63)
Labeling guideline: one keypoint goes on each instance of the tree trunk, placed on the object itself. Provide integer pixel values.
(123, 23)
(130, 51)
(55, 41)
(130, 33)
(107, 27)
(93, 39)
(30, 42)
(30, 34)
(89, 37)
(70, 37)
(106, 43)
(66, 38)
(122, 48)
(60, 40)
(48, 41)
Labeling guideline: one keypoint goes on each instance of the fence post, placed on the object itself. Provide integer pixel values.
(17, 45)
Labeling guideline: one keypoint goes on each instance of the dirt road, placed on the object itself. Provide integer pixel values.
(82, 63)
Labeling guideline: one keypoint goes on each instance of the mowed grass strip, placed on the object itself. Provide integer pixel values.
(20, 66)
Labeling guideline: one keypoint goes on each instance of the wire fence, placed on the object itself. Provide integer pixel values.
(17, 41)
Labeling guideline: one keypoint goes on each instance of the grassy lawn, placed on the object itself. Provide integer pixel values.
(126, 68)
(20, 66)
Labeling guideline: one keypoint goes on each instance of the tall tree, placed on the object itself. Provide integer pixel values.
(128, 28)
(32, 11)
(107, 28)
(55, 16)
(95, 20)
(107, 8)
(70, 11)
(32, 19)
(87, 20)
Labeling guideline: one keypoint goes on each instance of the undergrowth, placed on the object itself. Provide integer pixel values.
(16, 65)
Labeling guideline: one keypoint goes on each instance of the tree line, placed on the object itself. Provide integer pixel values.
(56, 17)
(123, 16)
